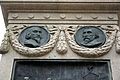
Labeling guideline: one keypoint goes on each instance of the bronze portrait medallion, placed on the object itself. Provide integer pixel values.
(34, 36)
(90, 36)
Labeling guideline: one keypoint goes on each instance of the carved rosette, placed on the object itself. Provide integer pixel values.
(5, 46)
(109, 30)
(15, 31)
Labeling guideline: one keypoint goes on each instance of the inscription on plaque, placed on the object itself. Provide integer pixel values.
(34, 36)
(90, 36)
(61, 70)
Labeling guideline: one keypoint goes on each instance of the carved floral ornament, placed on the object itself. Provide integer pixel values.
(61, 36)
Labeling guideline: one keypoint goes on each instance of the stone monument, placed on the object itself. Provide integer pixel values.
(61, 40)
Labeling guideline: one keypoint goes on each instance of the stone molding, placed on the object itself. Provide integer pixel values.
(109, 1)
(62, 16)
(58, 6)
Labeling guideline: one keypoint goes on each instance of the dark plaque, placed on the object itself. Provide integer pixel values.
(90, 36)
(34, 36)
(61, 70)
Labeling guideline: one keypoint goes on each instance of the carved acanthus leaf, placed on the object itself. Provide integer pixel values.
(110, 32)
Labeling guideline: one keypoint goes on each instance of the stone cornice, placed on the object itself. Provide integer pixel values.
(58, 6)
(29, 1)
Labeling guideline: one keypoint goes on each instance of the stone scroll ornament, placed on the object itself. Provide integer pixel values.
(33, 40)
(91, 41)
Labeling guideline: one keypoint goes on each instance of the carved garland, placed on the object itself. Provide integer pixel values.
(5, 46)
(57, 32)
(62, 44)
(16, 30)
(110, 32)
(117, 45)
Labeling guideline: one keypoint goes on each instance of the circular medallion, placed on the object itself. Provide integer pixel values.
(90, 36)
(34, 36)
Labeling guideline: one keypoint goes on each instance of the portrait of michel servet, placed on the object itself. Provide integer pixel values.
(34, 37)
(90, 37)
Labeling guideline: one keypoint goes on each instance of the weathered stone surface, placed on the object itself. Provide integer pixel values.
(62, 19)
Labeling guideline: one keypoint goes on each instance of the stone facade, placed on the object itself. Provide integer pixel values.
(62, 19)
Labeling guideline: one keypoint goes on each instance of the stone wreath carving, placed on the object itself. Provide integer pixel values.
(62, 36)
(57, 36)
(15, 31)
(109, 30)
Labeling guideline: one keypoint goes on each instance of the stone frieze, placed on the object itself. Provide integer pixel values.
(60, 36)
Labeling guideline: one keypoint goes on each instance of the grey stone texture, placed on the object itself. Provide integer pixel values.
(88, 12)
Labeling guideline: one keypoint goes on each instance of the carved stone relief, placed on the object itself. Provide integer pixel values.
(4, 48)
(62, 44)
(109, 30)
(35, 50)
(61, 36)
(118, 42)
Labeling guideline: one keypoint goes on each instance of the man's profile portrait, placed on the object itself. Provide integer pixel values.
(34, 36)
(90, 37)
